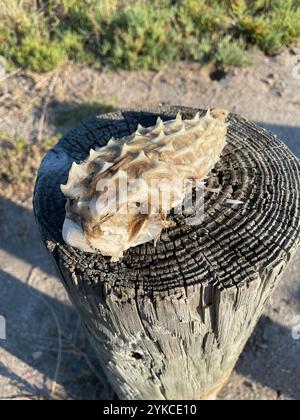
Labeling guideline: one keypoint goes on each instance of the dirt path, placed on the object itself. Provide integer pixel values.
(45, 354)
(267, 93)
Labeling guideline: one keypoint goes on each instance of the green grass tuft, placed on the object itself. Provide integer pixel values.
(144, 34)
(140, 36)
(270, 25)
(40, 55)
(232, 53)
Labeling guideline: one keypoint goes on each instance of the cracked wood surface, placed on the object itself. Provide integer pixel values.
(170, 321)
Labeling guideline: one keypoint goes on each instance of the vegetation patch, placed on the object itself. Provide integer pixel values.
(144, 34)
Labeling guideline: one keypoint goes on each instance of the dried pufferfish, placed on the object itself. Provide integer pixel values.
(177, 149)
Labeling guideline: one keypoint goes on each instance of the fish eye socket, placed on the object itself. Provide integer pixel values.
(71, 202)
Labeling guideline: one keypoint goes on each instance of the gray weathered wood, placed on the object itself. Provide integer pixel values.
(169, 322)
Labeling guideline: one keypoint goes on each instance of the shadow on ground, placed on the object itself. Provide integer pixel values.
(290, 135)
(66, 115)
(43, 332)
(271, 359)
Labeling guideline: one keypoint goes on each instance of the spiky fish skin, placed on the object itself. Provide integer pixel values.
(172, 150)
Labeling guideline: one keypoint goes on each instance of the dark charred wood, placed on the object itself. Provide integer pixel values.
(170, 321)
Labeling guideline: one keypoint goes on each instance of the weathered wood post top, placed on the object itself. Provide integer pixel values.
(169, 320)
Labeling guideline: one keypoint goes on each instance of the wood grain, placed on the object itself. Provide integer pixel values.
(169, 322)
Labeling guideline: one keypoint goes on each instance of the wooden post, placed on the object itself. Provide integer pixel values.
(169, 322)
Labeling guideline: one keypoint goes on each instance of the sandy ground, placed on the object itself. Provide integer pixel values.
(46, 354)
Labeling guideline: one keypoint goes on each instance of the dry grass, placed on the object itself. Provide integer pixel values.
(19, 163)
